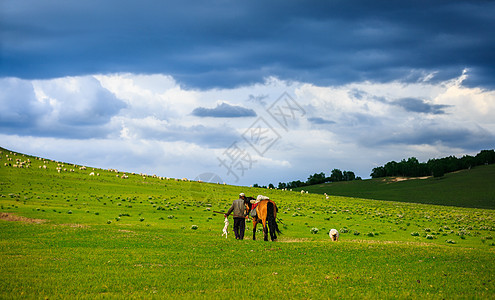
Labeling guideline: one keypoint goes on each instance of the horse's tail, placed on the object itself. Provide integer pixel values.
(270, 218)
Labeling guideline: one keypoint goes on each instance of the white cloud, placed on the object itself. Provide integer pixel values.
(78, 100)
(144, 123)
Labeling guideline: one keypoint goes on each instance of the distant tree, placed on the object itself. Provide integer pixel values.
(282, 185)
(295, 184)
(256, 185)
(485, 157)
(271, 186)
(378, 172)
(392, 169)
(438, 170)
(349, 176)
(467, 161)
(316, 178)
(336, 175)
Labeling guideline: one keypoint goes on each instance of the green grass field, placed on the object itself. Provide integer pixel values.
(466, 188)
(72, 235)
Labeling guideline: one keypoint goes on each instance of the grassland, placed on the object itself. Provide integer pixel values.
(466, 188)
(72, 235)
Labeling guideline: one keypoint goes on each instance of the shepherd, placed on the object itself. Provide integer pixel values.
(239, 209)
(266, 213)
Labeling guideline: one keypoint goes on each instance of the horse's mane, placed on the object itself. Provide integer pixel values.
(248, 202)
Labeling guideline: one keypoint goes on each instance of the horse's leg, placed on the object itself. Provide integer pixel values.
(254, 229)
(265, 230)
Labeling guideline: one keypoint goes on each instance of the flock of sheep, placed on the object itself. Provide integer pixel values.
(20, 163)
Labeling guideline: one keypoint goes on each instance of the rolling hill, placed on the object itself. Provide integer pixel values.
(70, 231)
(467, 188)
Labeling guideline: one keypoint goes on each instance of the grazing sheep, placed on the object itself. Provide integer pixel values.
(92, 174)
(302, 192)
(334, 235)
(226, 227)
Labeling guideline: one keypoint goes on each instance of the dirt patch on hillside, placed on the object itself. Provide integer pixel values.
(397, 179)
(13, 217)
(74, 225)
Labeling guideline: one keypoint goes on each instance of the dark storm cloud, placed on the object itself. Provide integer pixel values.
(260, 99)
(320, 121)
(225, 44)
(224, 110)
(420, 106)
(434, 134)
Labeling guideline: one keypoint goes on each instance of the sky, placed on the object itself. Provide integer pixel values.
(246, 92)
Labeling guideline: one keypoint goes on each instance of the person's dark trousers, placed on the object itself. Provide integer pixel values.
(239, 228)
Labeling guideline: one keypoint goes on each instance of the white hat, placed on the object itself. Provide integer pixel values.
(241, 195)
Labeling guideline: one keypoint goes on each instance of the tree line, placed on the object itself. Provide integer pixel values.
(317, 178)
(435, 167)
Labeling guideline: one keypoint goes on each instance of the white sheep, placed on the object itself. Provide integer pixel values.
(226, 227)
(334, 234)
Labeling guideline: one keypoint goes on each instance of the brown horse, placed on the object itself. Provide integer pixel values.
(266, 212)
